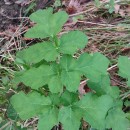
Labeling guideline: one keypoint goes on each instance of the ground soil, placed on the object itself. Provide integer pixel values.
(9, 11)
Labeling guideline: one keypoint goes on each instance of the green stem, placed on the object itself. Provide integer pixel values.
(55, 39)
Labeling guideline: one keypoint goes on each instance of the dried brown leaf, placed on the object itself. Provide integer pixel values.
(122, 12)
(117, 8)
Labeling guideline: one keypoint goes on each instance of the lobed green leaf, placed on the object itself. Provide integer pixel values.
(69, 98)
(124, 68)
(72, 41)
(95, 109)
(47, 23)
(117, 115)
(34, 104)
(38, 52)
(38, 77)
(93, 66)
(30, 105)
(70, 118)
(48, 120)
(103, 87)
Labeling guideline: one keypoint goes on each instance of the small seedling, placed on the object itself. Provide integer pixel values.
(50, 66)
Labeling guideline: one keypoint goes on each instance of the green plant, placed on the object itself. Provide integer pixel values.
(54, 76)
(110, 5)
